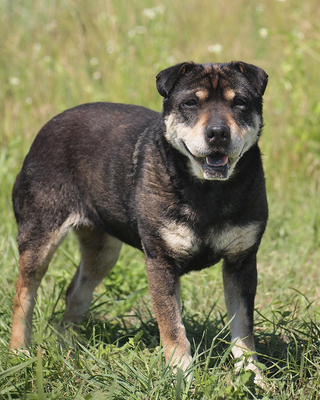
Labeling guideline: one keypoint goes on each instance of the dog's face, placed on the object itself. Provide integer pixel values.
(213, 113)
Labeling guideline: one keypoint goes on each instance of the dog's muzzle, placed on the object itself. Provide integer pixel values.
(216, 163)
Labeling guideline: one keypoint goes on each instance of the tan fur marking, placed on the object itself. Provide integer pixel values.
(215, 81)
(198, 131)
(207, 69)
(202, 94)
(235, 131)
(180, 135)
(216, 76)
(235, 239)
(229, 94)
(24, 302)
(192, 137)
(179, 238)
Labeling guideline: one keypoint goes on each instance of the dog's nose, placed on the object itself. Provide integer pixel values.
(218, 134)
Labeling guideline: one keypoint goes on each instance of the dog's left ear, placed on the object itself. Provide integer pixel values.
(256, 76)
(167, 78)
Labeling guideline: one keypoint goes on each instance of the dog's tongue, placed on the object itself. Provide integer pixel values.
(217, 160)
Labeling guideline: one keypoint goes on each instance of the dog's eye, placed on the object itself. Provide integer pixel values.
(190, 103)
(239, 102)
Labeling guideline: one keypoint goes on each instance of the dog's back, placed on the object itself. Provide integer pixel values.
(73, 154)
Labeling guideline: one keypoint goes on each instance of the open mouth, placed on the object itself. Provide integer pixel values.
(215, 165)
(217, 160)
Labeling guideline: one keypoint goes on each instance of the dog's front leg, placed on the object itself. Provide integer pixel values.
(164, 287)
(240, 283)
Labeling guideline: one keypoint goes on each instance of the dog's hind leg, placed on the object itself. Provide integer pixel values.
(36, 247)
(99, 254)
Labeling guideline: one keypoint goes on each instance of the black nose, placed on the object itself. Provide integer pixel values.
(218, 134)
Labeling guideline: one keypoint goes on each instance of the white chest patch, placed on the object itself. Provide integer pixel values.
(179, 238)
(182, 240)
(234, 239)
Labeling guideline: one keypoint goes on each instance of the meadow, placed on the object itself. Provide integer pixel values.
(60, 53)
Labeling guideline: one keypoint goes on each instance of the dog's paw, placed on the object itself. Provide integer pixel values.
(251, 365)
(19, 351)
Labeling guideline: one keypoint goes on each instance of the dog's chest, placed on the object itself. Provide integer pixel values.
(225, 240)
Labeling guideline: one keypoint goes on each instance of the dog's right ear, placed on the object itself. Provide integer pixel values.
(167, 78)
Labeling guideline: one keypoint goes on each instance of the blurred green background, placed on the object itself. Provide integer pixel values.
(56, 54)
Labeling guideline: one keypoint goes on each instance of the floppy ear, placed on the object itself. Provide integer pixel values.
(167, 78)
(256, 76)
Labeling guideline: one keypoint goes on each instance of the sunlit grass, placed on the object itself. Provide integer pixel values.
(57, 54)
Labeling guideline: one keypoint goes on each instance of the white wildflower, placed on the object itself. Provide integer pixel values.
(215, 48)
(263, 32)
(94, 61)
(150, 13)
(13, 80)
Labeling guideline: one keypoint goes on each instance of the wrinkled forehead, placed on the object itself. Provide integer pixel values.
(210, 79)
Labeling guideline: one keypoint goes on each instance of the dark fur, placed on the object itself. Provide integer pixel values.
(113, 166)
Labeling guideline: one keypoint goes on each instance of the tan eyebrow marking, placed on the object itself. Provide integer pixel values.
(229, 94)
(202, 94)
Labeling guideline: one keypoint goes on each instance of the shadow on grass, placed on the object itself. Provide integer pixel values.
(208, 336)
(287, 346)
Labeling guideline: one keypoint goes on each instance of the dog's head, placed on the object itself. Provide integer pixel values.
(212, 113)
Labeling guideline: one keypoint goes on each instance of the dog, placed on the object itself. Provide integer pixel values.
(185, 186)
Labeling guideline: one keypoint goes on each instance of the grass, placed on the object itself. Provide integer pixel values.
(57, 54)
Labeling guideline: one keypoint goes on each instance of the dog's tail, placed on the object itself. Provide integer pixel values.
(15, 201)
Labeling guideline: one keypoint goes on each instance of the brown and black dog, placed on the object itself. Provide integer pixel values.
(185, 186)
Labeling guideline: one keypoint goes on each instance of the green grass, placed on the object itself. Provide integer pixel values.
(60, 53)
